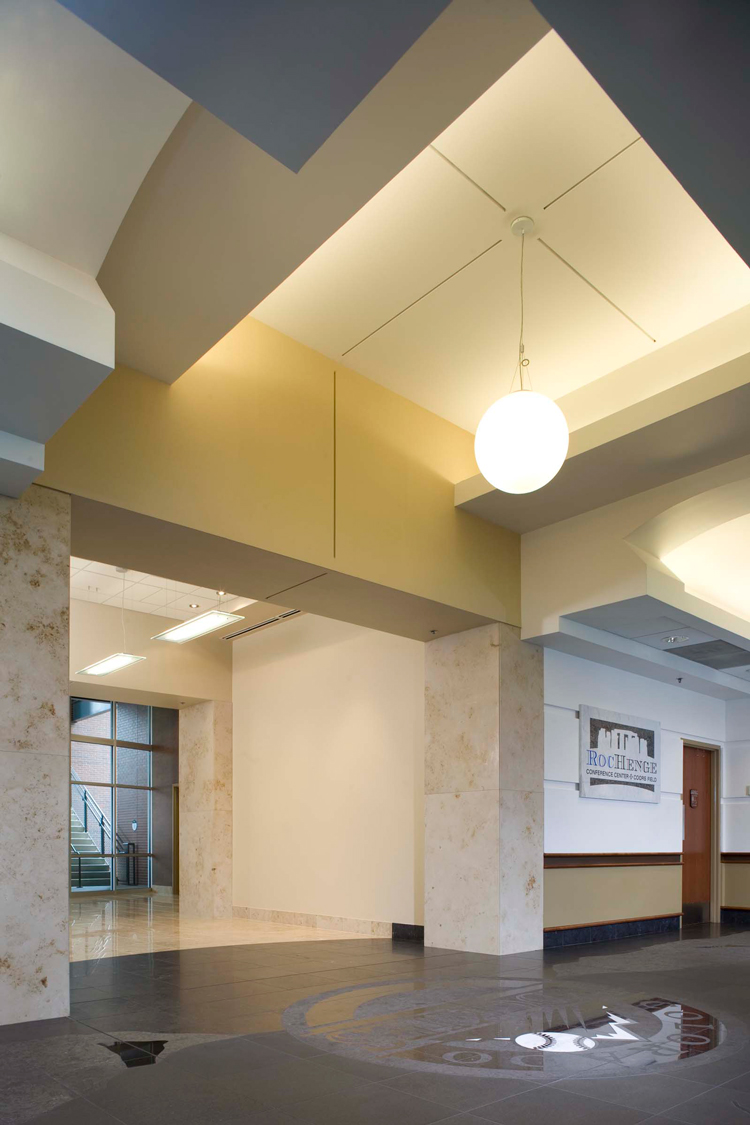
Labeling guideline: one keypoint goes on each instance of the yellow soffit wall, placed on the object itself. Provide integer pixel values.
(269, 443)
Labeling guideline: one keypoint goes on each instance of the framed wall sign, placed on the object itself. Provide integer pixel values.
(620, 756)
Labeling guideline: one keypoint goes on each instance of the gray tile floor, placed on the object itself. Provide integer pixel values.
(368, 1032)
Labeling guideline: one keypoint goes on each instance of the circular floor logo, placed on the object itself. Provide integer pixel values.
(488, 1026)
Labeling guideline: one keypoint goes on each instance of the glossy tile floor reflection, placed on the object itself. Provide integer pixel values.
(108, 926)
(369, 1031)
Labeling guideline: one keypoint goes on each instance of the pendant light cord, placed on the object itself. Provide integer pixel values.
(520, 337)
(122, 615)
(522, 362)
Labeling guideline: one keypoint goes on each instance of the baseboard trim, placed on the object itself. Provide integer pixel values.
(562, 936)
(405, 931)
(315, 921)
(555, 861)
(735, 915)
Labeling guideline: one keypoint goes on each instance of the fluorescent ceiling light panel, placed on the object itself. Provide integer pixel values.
(109, 664)
(197, 626)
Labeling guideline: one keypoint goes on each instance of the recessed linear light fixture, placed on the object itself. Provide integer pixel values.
(109, 664)
(674, 640)
(198, 626)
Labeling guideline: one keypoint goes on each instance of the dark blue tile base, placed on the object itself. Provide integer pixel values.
(584, 935)
(735, 917)
(400, 931)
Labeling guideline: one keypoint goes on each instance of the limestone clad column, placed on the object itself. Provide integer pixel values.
(484, 770)
(34, 755)
(206, 810)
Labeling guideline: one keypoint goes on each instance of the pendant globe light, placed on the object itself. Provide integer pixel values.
(522, 439)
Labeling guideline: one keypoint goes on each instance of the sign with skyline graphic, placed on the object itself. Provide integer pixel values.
(620, 756)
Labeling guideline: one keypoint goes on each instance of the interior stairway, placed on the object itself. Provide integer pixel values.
(94, 871)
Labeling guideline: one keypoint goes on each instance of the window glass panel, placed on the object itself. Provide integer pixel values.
(132, 871)
(133, 808)
(91, 818)
(133, 723)
(91, 763)
(133, 766)
(91, 717)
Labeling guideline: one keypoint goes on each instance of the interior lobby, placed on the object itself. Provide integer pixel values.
(374, 584)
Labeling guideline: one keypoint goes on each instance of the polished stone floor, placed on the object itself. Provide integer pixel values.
(110, 926)
(369, 1031)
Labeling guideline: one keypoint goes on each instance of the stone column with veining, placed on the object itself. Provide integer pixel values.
(34, 755)
(205, 773)
(484, 770)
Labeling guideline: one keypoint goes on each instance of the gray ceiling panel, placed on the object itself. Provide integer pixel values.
(678, 70)
(283, 74)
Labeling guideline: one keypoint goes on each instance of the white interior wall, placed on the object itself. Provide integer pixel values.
(328, 771)
(735, 805)
(576, 825)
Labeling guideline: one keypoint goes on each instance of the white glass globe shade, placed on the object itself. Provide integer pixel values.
(521, 442)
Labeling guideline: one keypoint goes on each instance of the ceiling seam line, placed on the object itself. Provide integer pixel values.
(591, 285)
(466, 176)
(422, 297)
(593, 173)
(296, 584)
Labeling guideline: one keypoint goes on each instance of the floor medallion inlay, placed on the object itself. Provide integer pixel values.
(517, 1028)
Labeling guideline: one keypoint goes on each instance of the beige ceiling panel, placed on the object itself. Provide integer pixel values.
(455, 352)
(636, 234)
(538, 130)
(424, 225)
(218, 224)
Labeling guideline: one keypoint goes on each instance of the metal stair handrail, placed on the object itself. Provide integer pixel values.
(104, 822)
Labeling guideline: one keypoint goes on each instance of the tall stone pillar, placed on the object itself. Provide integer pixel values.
(484, 770)
(34, 755)
(206, 810)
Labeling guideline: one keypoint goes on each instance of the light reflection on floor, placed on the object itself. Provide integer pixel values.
(111, 926)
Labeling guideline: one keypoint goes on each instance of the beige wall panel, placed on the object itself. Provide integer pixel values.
(735, 884)
(328, 785)
(397, 465)
(576, 896)
(242, 447)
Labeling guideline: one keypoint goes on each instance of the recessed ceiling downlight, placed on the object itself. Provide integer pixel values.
(198, 626)
(109, 664)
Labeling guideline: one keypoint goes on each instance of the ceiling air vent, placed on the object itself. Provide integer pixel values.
(714, 654)
(265, 624)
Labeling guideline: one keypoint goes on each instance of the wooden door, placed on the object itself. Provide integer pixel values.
(697, 798)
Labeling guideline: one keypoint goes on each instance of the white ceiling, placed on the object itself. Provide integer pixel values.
(714, 565)
(145, 593)
(414, 293)
(81, 122)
